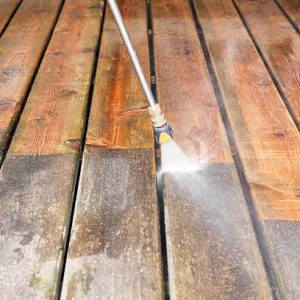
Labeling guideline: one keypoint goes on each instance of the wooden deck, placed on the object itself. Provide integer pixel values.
(81, 213)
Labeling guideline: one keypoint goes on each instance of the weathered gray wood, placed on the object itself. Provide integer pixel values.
(212, 251)
(211, 245)
(283, 245)
(115, 250)
(35, 196)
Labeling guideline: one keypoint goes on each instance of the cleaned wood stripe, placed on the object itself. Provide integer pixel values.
(7, 8)
(36, 189)
(267, 140)
(114, 249)
(21, 48)
(119, 117)
(279, 44)
(211, 245)
(292, 9)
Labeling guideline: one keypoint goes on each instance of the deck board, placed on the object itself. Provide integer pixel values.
(279, 44)
(7, 8)
(267, 140)
(211, 245)
(115, 245)
(36, 179)
(292, 10)
(21, 47)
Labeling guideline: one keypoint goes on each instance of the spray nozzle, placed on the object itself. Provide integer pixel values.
(163, 134)
(162, 130)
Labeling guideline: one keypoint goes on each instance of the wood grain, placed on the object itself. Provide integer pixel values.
(279, 44)
(7, 8)
(292, 9)
(267, 140)
(211, 245)
(119, 117)
(21, 48)
(115, 249)
(36, 189)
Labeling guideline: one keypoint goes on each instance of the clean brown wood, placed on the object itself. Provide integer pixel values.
(115, 250)
(7, 8)
(211, 245)
(119, 116)
(292, 9)
(21, 48)
(267, 140)
(279, 44)
(35, 188)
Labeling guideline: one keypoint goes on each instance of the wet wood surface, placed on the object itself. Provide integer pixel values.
(115, 245)
(79, 213)
(37, 176)
(268, 141)
(210, 256)
(280, 45)
(292, 9)
(7, 9)
(21, 47)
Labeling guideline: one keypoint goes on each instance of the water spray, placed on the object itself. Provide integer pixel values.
(162, 130)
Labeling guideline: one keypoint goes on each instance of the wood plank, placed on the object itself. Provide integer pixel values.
(36, 189)
(268, 142)
(292, 9)
(7, 8)
(115, 250)
(211, 245)
(21, 48)
(279, 44)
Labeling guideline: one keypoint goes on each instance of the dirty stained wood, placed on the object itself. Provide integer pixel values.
(292, 9)
(21, 48)
(279, 44)
(7, 8)
(114, 251)
(35, 188)
(114, 248)
(267, 140)
(211, 245)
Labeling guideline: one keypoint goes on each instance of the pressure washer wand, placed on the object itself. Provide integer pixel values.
(162, 130)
